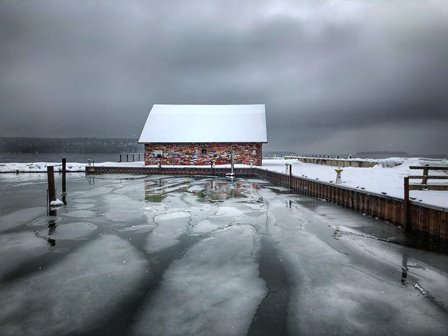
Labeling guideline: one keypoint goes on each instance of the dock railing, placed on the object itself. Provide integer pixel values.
(425, 177)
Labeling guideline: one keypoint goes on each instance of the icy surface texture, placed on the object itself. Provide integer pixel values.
(70, 231)
(17, 248)
(350, 285)
(213, 290)
(74, 295)
(20, 217)
(169, 227)
(207, 242)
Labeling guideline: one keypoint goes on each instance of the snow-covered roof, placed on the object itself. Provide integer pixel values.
(205, 123)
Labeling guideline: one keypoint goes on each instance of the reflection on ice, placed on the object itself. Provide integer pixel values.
(74, 295)
(69, 231)
(213, 290)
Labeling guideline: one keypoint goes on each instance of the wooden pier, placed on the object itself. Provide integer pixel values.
(336, 162)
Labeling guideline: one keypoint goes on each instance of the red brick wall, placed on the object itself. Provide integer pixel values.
(203, 153)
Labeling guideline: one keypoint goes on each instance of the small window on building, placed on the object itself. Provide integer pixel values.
(157, 153)
(203, 150)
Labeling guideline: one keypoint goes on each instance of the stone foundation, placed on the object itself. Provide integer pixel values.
(191, 154)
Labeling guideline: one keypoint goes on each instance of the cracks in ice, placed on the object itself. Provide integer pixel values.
(430, 297)
(374, 277)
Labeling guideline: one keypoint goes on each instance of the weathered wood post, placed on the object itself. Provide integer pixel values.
(289, 172)
(64, 185)
(51, 187)
(406, 223)
(425, 174)
(51, 190)
(64, 172)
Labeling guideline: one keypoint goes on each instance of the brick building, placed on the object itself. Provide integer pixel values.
(202, 134)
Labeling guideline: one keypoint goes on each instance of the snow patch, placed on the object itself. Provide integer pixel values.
(56, 203)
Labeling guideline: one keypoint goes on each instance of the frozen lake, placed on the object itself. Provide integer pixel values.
(163, 255)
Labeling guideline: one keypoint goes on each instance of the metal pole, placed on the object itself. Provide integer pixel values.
(51, 187)
(232, 163)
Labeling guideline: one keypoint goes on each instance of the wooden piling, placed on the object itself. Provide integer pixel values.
(64, 185)
(425, 175)
(64, 173)
(51, 186)
(406, 223)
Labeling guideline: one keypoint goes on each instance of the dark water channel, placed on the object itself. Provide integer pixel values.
(163, 255)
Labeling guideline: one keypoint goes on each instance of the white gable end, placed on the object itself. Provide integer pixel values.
(205, 123)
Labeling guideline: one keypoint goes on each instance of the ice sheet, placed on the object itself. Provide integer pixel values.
(16, 248)
(70, 231)
(80, 213)
(206, 226)
(122, 208)
(213, 290)
(20, 217)
(353, 289)
(169, 227)
(74, 295)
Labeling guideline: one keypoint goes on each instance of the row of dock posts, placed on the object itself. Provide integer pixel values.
(51, 191)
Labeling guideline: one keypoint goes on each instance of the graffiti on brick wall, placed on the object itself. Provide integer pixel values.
(202, 154)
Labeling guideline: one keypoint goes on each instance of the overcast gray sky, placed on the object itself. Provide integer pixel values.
(336, 76)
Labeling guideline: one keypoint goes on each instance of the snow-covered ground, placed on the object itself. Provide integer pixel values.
(381, 179)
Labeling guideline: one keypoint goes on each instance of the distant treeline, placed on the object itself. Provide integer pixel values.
(69, 145)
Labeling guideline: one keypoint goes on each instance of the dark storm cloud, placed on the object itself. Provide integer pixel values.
(334, 75)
